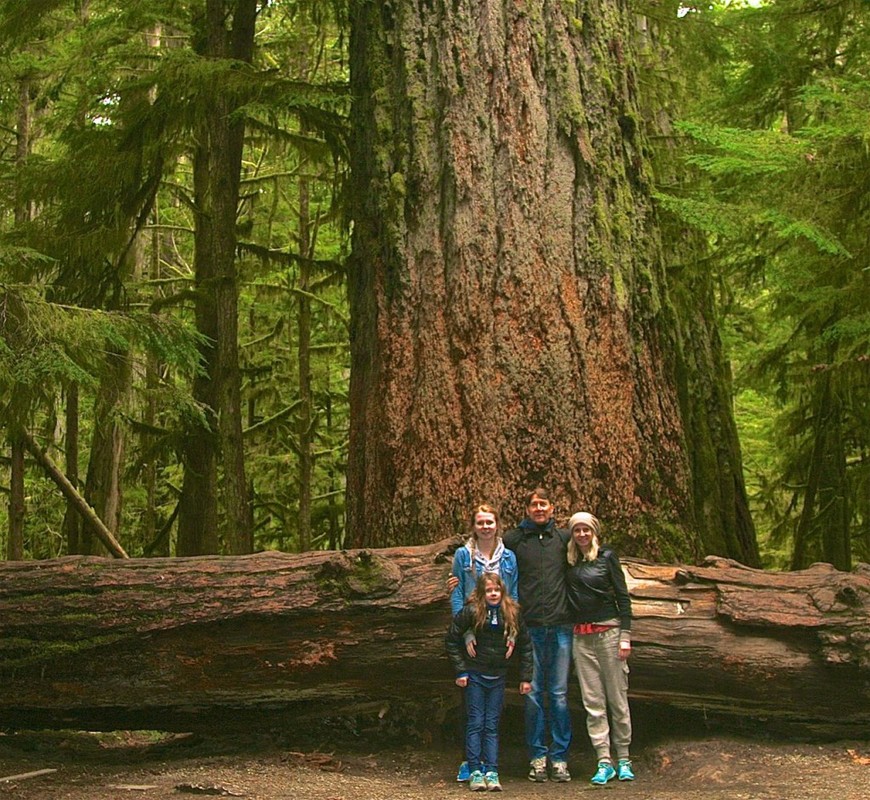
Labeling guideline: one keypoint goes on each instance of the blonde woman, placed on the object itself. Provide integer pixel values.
(601, 611)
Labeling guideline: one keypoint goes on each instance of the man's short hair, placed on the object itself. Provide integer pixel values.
(539, 492)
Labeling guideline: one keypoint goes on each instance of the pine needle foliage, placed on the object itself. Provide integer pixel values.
(783, 200)
(44, 345)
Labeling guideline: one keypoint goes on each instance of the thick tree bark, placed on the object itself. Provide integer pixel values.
(183, 644)
(510, 324)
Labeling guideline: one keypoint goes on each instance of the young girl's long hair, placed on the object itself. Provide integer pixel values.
(510, 609)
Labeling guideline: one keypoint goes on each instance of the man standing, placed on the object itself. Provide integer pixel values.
(540, 548)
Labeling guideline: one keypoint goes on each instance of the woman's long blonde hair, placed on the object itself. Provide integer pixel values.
(510, 609)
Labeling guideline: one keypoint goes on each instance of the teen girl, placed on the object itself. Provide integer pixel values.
(483, 552)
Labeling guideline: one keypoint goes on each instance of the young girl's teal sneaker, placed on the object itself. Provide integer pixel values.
(493, 784)
(476, 782)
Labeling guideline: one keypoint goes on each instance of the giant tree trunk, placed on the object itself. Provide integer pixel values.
(216, 175)
(510, 325)
(184, 644)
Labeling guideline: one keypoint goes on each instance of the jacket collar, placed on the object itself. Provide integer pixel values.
(530, 526)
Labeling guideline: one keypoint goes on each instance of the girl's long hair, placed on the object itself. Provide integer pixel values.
(510, 609)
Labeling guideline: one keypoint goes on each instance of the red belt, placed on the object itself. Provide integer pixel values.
(591, 627)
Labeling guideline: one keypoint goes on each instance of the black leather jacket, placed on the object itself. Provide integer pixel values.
(540, 552)
(597, 590)
(491, 647)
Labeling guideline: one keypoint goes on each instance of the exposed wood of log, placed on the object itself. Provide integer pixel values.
(184, 644)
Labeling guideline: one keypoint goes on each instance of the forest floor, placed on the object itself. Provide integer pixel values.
(140, 765)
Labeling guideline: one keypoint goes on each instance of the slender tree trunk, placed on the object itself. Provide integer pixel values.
(15, 541)
(150, 521)
(334, 527)
(103, 482)
(304, 418)
(90, 518)
(71, 519)
(17, 508)
(834, 513)
(23, 132)
(510, 324)
(823, 528)
(720, 503)
(721, 506)
(217, 166)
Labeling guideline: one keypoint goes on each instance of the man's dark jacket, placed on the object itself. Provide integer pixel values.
(541, 561)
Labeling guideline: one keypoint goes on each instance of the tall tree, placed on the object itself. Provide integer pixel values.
(511, 324)
(225, 30)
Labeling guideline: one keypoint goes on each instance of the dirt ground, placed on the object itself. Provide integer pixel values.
(113, 766)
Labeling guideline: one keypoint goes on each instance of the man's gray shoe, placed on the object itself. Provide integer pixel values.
(538, 769)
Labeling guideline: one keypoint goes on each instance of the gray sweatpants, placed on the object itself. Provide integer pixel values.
(603, 680)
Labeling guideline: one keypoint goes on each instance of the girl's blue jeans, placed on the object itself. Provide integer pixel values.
(484, 699)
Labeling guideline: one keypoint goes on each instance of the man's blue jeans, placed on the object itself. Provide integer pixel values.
(547, 703)
(484, 699)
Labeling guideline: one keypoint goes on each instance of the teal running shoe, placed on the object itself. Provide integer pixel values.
(624, 771)
(477, 783)
(492, 781)
(604, 773)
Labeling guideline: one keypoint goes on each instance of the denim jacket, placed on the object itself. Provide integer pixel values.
(468, 570)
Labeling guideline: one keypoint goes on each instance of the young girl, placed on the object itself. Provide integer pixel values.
(481, 640)
(483, 552)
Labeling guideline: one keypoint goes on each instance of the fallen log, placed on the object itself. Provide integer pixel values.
(187, 644)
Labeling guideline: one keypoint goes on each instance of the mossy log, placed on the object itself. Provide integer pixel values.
(187, 644)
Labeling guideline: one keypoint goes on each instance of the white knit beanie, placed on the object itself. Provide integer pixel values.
(585, 518)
